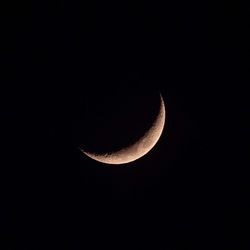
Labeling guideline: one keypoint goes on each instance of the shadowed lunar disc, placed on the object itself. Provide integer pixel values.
(137, 149)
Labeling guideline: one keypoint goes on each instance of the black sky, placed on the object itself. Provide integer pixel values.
(66, 63)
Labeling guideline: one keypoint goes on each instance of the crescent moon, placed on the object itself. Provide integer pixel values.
(140, 148)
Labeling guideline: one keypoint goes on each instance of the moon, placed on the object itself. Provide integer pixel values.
(139, 148)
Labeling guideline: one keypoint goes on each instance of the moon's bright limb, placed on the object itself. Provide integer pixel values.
(139, 148)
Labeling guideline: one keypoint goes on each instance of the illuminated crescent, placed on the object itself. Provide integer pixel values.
(140, 148)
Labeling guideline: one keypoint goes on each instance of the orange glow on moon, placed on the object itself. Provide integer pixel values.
(140, 148)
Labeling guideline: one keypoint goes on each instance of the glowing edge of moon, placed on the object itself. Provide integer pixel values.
(139, 148)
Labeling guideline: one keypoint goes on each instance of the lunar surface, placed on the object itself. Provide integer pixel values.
(139, 148)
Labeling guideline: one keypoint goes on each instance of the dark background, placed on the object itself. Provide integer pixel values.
(65, 65)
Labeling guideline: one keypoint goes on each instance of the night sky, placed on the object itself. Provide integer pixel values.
(69, 68)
